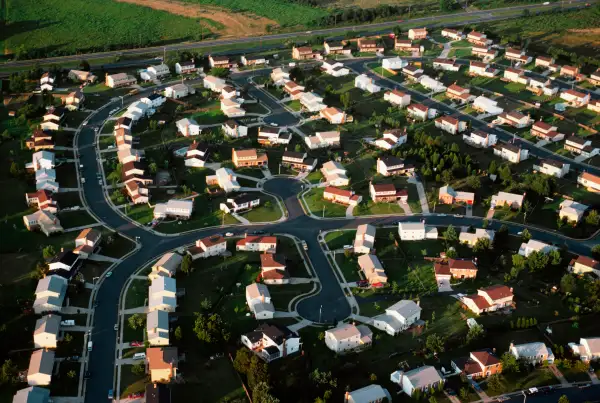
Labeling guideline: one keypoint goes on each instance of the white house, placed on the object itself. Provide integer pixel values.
(482, 69)
(366, 83)
(180, 209)
(323, 140)
(45, 333)
(240, 203)
(234, 129)
(312, 102)
(422, 378)
(196, 155)
(155, 72)
(335, 174)
(214, 245)
(512, 200)
(453, 34)
(587, 350)
(511, 152)
(532, 353)
(43, 160)
(157, 328)
(280, 76)
(552, 168)
(416, 231)
(162, 294)
(334, 68)
(232, 108)
(535, 246)
(394, 63)
(575, 98)
(347, 337)
(185, 67)
(421, 112)
(271, 341)
(487, 106)
(479, 138)
(470, 238)
(167, 265)
(398, 317)
(446, 64)
(450, 124)
(258, 299)
(334, 115)
(225, 178)
(391, 139)
(154, 100)
(179, 91)
(40, 369)
(389, 165)
(364, 239)
(431, 84)
(188, 127)
(50, 294)
(591, 182)
(397, 98)
(368, 394)
(257, 243)
(571, 210)
(215, 84)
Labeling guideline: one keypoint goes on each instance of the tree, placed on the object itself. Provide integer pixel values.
(482, 245)
(15, 171)
(464, 394)
(510, 363)
(138, 369)
(537, 261)
(568, 284)
(178, 333)
(447, 5)
(257, 372)
(68, 338)
(555, 257)
(563, 399)
(136, 321)
(474, 333)
(525, 235)
(596, 250)
(432, 399)
(493, 168)
(593, 218)
(186, 264)
(435, 344)
(450, 234)
(474, 182)
(373, 378)
(298, 148)
(48, 252)
(152, 167)
(345, 100)
(261, 394)
(242, 361)
(211, 328)
(72, 374)
(8, 372)
(495, 384)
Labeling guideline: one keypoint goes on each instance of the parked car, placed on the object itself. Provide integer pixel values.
(229, 234)
(136, 344)
(111, 394)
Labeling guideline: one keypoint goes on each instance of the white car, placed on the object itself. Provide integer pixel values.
(229, 234)
(108, 274)
(116, 326)
(100, 182)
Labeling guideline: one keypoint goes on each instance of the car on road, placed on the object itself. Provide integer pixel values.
(585, 385)
(362, 283)
(100, 182)
(531, 391)
(502, 399)
(111, 394)
(82, 180)
(73, 358)
(229, 234)
(108, 274)
(116, 327)
(457, 215)
(260, 232)
(442, 215)
(304, 245)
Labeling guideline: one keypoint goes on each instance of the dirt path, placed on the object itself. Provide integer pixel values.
(234, 24)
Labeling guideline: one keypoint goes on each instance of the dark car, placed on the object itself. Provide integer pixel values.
(260, 232)
(87, 375)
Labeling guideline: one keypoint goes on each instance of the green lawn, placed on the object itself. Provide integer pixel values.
(372, 208)
(315, 176)
(281, 295)
(320, 207)
(137, 294)
(132, 383)
(71, 219)
(337, 239)
(130, 334)
(268, 211)
(348, 266)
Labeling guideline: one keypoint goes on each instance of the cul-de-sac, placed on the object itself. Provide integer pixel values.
(298, 201)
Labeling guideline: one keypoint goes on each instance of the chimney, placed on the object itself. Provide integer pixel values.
(346, 396)
(62, 249)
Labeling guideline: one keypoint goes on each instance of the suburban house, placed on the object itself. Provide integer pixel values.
(544, 61)
(40, 140)
(516, 76)
(486, 105)
(479, 364)
(219, 62)
(511, 200)
(65, 263)
(372, 270)
(594, 78)
(215, 84)
(258, 299)
(511, 152)
(397, 98)
(229, 92)
(248, 158)
(364, 240)
(45, 179)
(240, 203)
(44, 221)
(334, 115)
(214, 245)
(368, 394)
(188, 127)
(594, 105)
(423, 378)
(82, 76)
(124, 122)
(421, 112)
(50, 294)
(74, 100)
(417, 33)
(154, 100)
(481, 69)
(42, 200)
(575, 98)
(583, 264)
(416, 231)
(552, 168)
(541, 86)
(545, 131)
(87, 242)
(126, 155)
(196, 155)
(387, 193)
(515, 119)
(446, 64)
(455, 268)
(232, 108)
(336, 48)
(489, 299)
(334, 174)
(269, 135)
(435, 86)
(234, 129)
(53, 119)
(305, 53)
(178, 209)
(157, 327)
(389, 165)
(45, 333)
(450, 124)
(185, 67)
(323, 140)
(293, 89)
(123, 138)
(532, 353)
(407, 45)
(162, 363)
(273, 269)
(369, 46)
(591, 182)
(41, 365)
(162, 294)
(158, 71)
(470, 238)
(224, 178)
(391, 139)
(517, 55)
(460, 94)
(32, 394)
(254, 60)
(280, 75)
(337, 195)
(569, 71)
(257, 243)
(447, 195)
(348, 337)
(580, 145)
(412, 72)
(484, 52)
(166, 266)
(587, 350)
(334, 68)
(393, 63)
(571, 210)
(119, 80)
(478, 38)
(398, 317)
(298, 160)
(271, 341)
(312, 102)
(137, 191)
(453, 34)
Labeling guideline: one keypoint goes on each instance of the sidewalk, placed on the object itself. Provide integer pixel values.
(422, 195)
(82, 227)
(102, 258)
(558, 374)
(405, 207)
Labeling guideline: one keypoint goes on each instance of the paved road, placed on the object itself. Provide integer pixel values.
(327, 306)
(359, 66)
(474, 16)
(574, 394)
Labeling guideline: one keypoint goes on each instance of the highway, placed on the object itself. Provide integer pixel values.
(330, 301)
(433, 21)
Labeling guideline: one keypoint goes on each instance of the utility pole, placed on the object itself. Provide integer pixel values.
(320, 311)
(323, 211)
(164, 54)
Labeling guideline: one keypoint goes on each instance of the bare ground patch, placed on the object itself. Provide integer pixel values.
(235, 24)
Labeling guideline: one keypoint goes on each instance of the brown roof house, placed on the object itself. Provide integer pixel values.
(86, 242)
(162, 363)
(479, 364)
(273, 268)
(489, 299)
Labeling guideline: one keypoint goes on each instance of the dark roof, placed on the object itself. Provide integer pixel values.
(293, 154)
(133, 165)
(245, 198)
(202, 147)
(269, 129)
(254, 336)
(152, 97)
(124, 121)
(232, 123)
(187, 63)
(554, 163)
(390, 160)
(66, 257)
(157, 393)
(510, 147)
(275, 332)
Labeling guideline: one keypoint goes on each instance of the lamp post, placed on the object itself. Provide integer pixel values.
(320, 312)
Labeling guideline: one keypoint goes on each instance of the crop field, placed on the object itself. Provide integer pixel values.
(45, 28)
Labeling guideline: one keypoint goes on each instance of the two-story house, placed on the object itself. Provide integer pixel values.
(552, 167)
(389, 165)
(214, 245)
(479, 364)
(258, 299)
(257, 243)
(341, 196)
(364, 240)
(450, 125)
(270, 341)
(387, 193)
(248, 158)
(511, 153)
(334, 174)
(397, 98)
(398, 317)
(391, 139)
(489, 299)
(348, 337)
